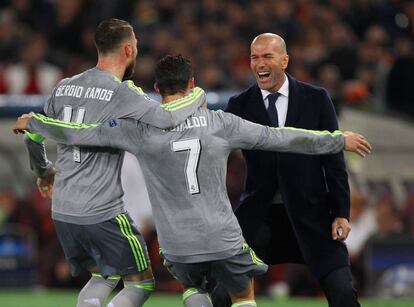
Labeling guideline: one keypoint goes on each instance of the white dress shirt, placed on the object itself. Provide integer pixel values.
(281, 102)
(282, 108)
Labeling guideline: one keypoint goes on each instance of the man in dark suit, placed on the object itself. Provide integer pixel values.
(294, 208)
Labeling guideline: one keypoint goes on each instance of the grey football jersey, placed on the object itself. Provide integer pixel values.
(87, 187)
(185, 171)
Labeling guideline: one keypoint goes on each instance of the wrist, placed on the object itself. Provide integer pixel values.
(49, 171)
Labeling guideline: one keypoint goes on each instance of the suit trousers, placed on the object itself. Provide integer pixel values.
(338, 288)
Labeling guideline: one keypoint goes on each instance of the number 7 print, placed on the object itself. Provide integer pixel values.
(191, 164)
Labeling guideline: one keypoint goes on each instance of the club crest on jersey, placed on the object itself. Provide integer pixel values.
(112, 123)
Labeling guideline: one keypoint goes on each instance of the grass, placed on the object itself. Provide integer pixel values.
(58, 298)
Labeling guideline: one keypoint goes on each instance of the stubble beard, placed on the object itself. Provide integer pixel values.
(129, 70)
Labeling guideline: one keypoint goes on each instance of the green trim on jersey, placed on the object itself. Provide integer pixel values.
(136, 247)
(245, 303)
(183, 102)
(60, 123)
(317, 132)
(187, 293)
(135, 88)
(37, 138)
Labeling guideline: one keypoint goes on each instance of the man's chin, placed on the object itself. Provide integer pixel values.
(264, 85)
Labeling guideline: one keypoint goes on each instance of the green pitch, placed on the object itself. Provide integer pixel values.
(54, 298)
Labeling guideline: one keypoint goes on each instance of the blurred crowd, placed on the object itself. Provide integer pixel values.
(360, 50)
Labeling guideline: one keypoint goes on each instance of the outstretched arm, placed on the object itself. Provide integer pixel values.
(247, 135)
(113, 133)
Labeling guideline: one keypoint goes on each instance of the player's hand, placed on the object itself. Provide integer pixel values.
(340, 229)
(20, 125)
(357, 143)
(45, 185)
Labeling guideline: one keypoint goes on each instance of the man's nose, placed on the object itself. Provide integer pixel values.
(261, 63)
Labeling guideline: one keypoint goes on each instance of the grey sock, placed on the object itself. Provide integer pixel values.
(134, 294)
(193, 298)
(245, 304)
(96, 291)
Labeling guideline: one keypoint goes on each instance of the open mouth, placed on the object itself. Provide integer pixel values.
(263, 75)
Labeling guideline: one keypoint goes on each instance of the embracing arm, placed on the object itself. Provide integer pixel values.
(114, 133)
(145, 110)
(247, 135)
(39, 162)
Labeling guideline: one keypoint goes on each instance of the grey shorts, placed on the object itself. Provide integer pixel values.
(115, 246)
(233, 273)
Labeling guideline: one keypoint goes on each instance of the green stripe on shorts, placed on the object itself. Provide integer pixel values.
(136, 248)
(255, 259)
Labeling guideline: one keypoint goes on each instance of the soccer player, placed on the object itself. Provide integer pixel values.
(185, 172)
(87, 209)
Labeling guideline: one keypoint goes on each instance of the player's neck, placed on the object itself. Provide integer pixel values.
(112, 65)
(169, 98)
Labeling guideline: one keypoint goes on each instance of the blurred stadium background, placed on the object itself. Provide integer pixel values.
(361, 51)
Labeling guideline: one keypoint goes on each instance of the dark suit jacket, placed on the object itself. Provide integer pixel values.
(314, 188)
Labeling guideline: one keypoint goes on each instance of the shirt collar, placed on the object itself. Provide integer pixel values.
(284, 89)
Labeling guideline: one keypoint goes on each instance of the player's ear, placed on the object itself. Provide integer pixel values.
(285, 61)
(128, 50)
(191, 84)
(156, 88)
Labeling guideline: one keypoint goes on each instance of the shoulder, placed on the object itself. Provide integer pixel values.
(220, 119)
(129, 88)
(63, 81)
(309, 88)
(316, 97)
(213, 117)
(241, 100)
(243, 96)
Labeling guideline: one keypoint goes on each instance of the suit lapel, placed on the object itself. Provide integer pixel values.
(296, 100)
(257, 108)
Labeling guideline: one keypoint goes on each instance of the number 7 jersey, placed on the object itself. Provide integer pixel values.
(185, 171)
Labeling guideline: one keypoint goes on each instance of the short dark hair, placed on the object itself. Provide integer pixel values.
(172, 74)
(110, 33)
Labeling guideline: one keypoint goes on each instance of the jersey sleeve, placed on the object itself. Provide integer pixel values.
(120, 133)
(39, 163)
(36, 148)
(136, 105)
(242, 134)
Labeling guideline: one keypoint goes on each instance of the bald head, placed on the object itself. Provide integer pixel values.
(268, 61)
(273, 40)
